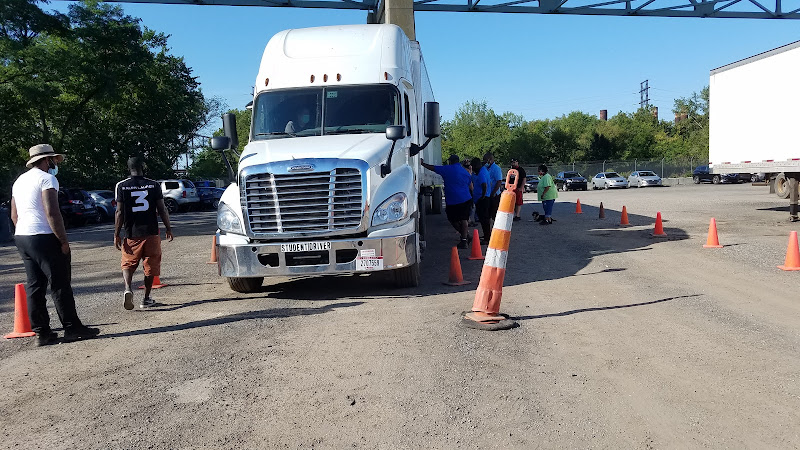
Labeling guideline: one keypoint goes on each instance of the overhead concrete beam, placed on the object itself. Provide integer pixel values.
(397, 12)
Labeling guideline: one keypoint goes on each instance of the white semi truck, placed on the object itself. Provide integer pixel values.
(753, 119)
(330, 181)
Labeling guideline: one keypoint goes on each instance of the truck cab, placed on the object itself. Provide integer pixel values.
(330, 181)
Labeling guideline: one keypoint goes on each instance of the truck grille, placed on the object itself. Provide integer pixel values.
(314, 201)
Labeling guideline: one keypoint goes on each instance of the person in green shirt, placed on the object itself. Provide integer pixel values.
(547, 194)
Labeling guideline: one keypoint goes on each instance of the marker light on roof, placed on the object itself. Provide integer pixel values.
(325, 78)
(385, 75)
(266, 81)
(338, 77)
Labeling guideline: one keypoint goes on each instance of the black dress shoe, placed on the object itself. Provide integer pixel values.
(47, 338)
(80, 333)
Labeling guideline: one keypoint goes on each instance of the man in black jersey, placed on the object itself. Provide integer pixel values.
(138, 201)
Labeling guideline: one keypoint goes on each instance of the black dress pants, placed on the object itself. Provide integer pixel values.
(44, 262)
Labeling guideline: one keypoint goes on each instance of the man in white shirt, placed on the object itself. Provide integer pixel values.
(42, 243)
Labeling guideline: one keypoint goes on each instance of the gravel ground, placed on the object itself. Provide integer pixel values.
(625, 341)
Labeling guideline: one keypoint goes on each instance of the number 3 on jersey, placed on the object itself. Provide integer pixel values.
(140, 202)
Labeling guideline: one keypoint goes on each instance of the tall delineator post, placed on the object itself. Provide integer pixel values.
(485, 313)
(396, 12)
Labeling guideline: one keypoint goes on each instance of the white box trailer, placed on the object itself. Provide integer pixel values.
(330, 181)
(754, 117)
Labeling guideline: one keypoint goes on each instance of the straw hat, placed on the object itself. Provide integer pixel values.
(40, 151)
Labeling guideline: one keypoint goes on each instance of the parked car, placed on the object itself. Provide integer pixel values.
(606, 180)
(570, 181)
(105, 203)
(179, 195)
(702, 173)
(642, 178)
(77, 206)
(531, 183)
(209, 196)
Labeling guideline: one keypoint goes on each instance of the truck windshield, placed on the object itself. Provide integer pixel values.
(327, 110)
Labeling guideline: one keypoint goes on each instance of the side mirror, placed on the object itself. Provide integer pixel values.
(220, 142)
(395, 132)
(432, 120)
(229, 128)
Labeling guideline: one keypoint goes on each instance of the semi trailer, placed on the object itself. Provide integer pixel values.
(752, 119)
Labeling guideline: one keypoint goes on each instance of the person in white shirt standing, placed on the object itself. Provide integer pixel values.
(42, 243)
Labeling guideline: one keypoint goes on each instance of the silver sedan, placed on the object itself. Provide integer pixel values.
(642, 178)
(606, 180)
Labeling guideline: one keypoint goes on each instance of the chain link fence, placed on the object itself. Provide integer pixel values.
(665, 168)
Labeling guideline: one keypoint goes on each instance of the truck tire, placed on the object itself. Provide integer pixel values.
(407, 277)
(696, 179)
(781, 186)
(436, 206)
(245, 285)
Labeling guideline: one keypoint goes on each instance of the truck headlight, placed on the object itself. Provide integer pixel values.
(227, 220)
(392, 209)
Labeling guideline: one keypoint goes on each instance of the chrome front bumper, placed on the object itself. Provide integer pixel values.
(266, 259)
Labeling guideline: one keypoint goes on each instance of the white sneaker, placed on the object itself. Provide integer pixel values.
(128, 300)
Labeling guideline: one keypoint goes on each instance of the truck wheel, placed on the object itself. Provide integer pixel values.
(715, 179)
(172, 205)
(696, 179)
(407, 276)
(436, 207)
(245, 285)
(781, 186)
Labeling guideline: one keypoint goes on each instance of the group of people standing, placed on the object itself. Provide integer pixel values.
(41, 240)
(478, 184)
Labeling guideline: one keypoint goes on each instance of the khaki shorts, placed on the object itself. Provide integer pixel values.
(147, 249)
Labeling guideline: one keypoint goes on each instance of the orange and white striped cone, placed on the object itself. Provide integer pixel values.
(486, 307)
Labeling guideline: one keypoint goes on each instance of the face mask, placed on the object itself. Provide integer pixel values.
(53, 170)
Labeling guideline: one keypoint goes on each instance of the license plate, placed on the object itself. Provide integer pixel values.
(369, 263)
(305, 247)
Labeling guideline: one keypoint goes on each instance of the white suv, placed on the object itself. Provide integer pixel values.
(179, 194)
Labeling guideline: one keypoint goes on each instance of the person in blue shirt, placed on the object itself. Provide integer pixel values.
(480, 195)
(457, 195)
(495, 183)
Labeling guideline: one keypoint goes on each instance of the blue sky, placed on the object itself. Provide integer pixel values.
(539, 66)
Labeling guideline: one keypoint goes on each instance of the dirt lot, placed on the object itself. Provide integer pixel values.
(625, 341)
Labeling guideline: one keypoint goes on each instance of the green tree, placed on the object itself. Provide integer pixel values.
(98, 87)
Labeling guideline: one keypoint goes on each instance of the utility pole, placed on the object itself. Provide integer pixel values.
(644, 94)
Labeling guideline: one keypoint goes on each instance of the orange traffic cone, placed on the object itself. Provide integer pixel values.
(156, 283)
(476, 246)
(578, 207)
(659, 229)
(712, 241)
(602, 212)
(792, 261)
(22, 324)
(213, 251)
(456, 278)
(485, 313)
(624, 220)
